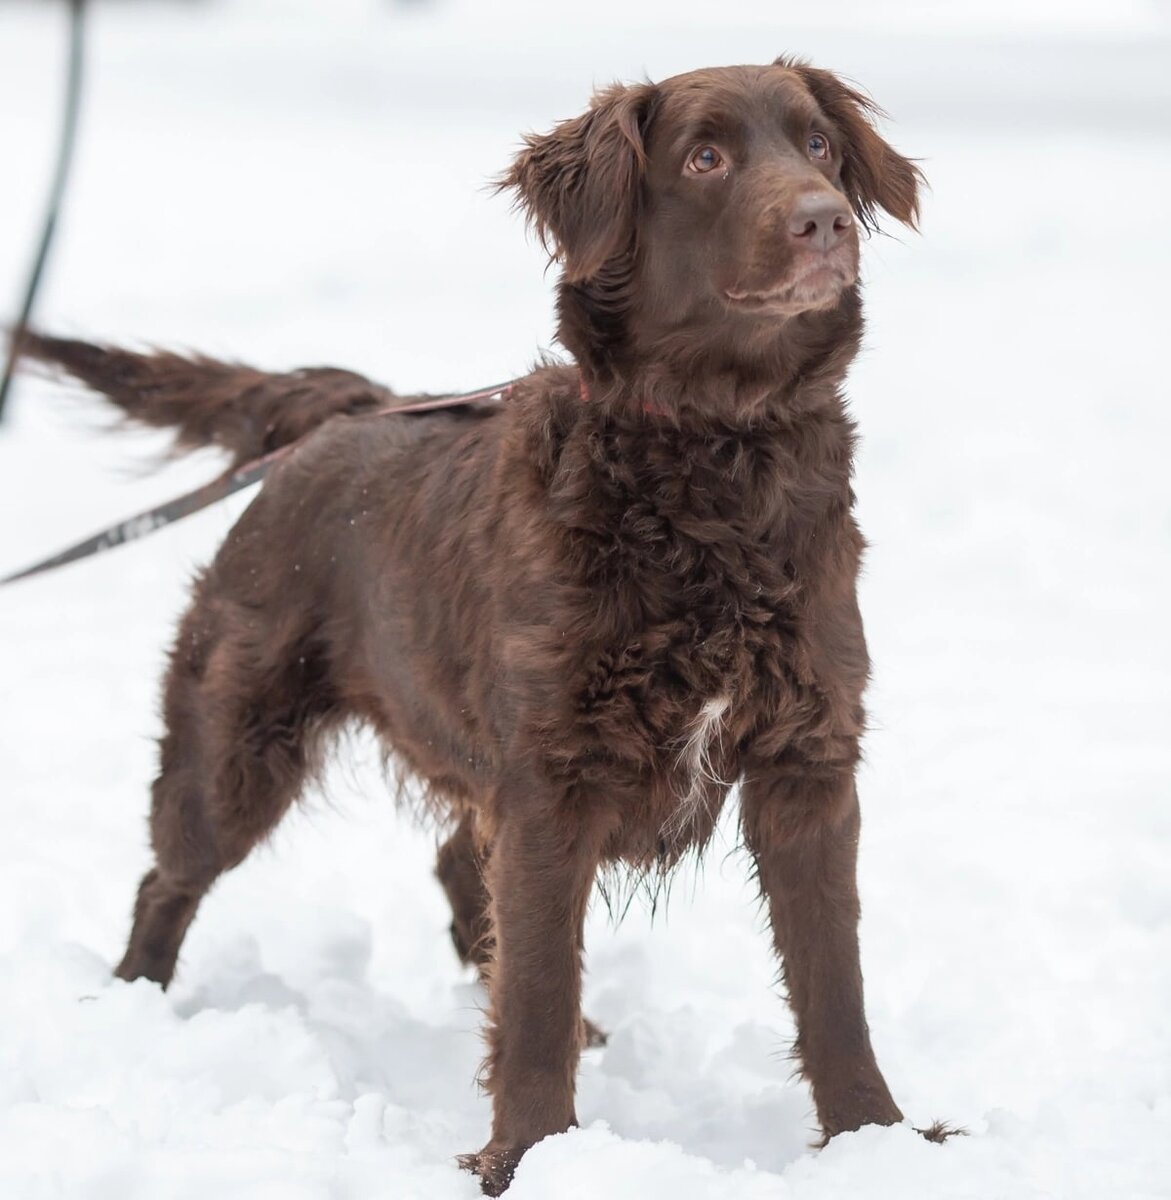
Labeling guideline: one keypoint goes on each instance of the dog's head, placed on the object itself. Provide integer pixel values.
(731, 195)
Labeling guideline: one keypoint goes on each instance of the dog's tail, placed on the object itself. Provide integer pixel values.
(210, 403)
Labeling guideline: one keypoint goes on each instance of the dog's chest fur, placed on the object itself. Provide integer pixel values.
(696, 559)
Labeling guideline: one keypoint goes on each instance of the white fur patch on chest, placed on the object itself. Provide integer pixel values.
(694, 764)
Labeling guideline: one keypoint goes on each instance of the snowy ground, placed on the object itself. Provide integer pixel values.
(298, 183)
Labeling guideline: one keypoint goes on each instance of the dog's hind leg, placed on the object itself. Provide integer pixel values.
(242, 726)
(460, 869)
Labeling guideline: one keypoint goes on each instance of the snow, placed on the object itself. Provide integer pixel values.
(293, 183)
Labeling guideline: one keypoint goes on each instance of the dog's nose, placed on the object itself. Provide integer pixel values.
(820, 220)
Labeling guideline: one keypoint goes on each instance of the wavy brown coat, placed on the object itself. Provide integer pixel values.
(581, 617)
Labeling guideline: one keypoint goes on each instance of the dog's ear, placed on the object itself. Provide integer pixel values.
(580, 184)
(874, 174)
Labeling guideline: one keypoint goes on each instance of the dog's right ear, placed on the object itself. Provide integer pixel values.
(579, 185)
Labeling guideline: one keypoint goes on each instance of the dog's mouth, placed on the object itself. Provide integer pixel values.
(816, 283)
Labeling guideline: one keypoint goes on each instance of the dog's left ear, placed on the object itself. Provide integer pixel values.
(580, 184)
(874, 174)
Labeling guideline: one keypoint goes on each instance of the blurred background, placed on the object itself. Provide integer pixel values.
(292, 183)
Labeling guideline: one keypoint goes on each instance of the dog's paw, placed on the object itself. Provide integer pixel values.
(494, 1166)
(940, 1131)
(592, 1035)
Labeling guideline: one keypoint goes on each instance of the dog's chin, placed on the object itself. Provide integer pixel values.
(813, 287)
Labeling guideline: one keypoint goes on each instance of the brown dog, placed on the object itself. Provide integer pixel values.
(581, 616)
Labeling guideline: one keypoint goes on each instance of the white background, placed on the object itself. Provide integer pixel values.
(295, 183)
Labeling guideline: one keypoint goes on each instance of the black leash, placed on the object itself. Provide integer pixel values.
(153, 519)
(64, 158)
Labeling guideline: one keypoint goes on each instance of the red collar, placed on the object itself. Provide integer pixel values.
(653, 410)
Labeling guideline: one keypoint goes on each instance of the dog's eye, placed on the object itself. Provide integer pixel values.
(705, 159)
(818, 146)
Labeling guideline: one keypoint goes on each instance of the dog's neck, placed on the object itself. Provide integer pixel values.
(728, 468)
(727, 371)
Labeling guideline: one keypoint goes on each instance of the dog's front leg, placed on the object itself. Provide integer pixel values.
(544, 857)
(801, 823)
